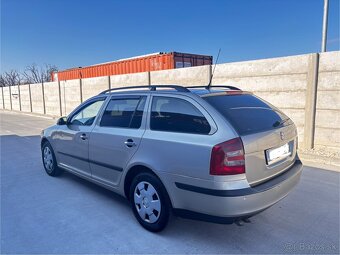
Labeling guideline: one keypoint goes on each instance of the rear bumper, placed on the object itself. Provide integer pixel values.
(224, 206)
(211, 218)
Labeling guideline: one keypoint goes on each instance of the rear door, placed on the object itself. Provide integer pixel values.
(178, 136)
(269, 137)
(116, 137)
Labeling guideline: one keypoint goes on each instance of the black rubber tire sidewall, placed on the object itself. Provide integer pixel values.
(161, 223)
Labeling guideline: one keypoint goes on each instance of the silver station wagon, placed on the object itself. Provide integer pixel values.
(212, 153)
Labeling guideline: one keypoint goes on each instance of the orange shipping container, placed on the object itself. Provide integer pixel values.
(152, 62)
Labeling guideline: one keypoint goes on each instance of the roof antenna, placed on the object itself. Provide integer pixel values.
(211, 77)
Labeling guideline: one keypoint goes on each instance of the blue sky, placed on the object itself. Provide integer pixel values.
(71, 33)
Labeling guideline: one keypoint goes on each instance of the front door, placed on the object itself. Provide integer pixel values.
(73, 139)
(116, 138)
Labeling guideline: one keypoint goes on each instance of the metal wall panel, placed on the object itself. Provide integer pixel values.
(135, 65)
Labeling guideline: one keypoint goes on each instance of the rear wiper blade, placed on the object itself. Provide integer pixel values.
(280, 123)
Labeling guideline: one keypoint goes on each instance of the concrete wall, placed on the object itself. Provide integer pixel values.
(37, 98)
(199, 75)
(280, 81)
(327, 121)
(25, 98)
(15, 98)
(70, 95)
(133, 79)
(7, 98)
(1, 99)
(93, 86)
(305, 87)
(52, 100)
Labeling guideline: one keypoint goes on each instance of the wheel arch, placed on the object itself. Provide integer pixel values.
(133, 171)
(43, 140)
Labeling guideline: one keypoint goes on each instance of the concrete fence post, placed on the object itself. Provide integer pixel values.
(81, 90)
(311, 94)
(109, 81)
(60, 106)
(30, 96)
(209, 74)
(19, 97)
(43, 96)
(149, 78)
(64, 97)
(10, 96)
(3, 98)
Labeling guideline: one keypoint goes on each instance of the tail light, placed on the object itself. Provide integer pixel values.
(227, 158)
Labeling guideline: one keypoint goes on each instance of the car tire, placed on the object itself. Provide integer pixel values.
(150, 202)
(49, 160)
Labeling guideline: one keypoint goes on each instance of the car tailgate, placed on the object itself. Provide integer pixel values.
(259, 167)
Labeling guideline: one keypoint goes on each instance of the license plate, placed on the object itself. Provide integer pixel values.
(277, 153)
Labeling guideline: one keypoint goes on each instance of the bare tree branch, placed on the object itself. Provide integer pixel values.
(49, 69)
(34, 74)
(10, 78)
(2, 81)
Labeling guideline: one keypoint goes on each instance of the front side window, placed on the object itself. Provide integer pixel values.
(177, 115)
(87, 115)
(124, 113)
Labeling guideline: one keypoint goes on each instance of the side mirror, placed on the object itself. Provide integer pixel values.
(62, 121)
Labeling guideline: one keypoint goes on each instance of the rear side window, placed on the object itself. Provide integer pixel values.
(124, 113)
(177, 115)
(247, 113)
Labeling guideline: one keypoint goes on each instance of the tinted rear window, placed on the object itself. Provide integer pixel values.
(247, 113)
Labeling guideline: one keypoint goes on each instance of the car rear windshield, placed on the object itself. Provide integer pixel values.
(247, 113)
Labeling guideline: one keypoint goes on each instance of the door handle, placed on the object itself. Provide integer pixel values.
(129, 143)
(83, 137)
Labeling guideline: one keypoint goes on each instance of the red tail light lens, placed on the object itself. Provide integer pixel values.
(227, 158)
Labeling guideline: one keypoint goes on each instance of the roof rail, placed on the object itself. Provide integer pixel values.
(214, 86)
(150, 87)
